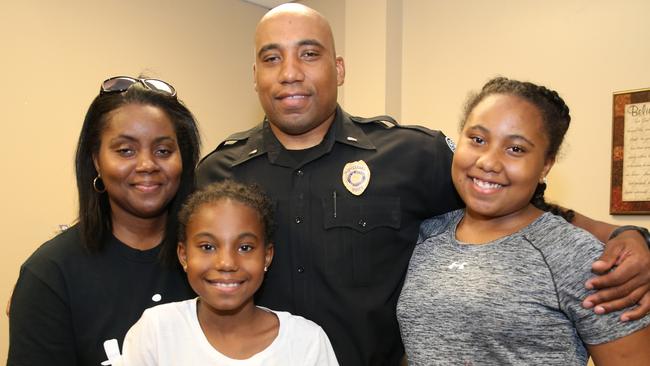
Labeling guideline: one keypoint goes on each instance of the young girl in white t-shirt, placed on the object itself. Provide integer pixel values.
(225, 250)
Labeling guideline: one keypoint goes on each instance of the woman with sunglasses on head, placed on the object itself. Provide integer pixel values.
(79, 293)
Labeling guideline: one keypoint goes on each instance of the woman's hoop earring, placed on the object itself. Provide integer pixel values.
(98, 178)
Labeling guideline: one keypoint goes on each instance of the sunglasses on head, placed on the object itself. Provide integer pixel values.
(118, 84)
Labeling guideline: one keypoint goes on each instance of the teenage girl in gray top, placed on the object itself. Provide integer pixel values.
(501, 282)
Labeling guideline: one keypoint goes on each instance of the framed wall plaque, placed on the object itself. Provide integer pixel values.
(630, 190)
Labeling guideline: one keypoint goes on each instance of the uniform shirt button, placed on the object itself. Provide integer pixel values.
(300, 173)
(363, 223)
(298, 219)
(300, 269)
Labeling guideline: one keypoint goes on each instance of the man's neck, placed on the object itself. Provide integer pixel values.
(304, 140)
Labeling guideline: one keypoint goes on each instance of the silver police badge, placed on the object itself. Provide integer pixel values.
(356, 177)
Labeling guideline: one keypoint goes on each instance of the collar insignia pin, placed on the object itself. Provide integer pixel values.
(356, 177)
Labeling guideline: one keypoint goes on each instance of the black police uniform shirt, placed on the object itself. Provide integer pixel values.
(67, 303)
(340, 258)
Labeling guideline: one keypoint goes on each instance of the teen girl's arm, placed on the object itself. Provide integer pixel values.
(623, 271)
(632, 349)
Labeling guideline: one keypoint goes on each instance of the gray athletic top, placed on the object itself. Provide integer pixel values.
(515, 300)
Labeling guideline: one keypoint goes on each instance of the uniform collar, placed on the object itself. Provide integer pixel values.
(261, 140)
(349, 133)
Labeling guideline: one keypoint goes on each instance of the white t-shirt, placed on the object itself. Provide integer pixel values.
(170, 334)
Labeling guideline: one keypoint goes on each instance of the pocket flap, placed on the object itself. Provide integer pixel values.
(362, 214)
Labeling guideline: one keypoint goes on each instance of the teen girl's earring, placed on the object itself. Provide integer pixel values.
(98, 184)
(543, 180)
(266, 268)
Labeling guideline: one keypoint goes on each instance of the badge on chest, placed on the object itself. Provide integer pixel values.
(356, 177)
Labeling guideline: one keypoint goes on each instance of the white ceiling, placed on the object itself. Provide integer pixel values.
(267, 3)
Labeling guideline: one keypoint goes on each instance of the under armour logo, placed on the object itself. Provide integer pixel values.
(457, 265)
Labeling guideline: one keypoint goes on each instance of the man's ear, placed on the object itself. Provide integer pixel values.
(340, 70)
(254, 77)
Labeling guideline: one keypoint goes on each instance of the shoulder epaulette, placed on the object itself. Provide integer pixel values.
(387, 121)
(426, 130)
(239, 139)
(390, 122)
(235, 138)
(239, 136)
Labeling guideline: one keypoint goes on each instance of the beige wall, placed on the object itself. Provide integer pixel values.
(417, 66)
(584, 49)
(55, 54)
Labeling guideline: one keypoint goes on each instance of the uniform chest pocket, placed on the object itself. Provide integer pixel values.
(362, 215)
(360, 234)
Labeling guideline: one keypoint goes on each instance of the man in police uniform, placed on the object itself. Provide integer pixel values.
(350, 192)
